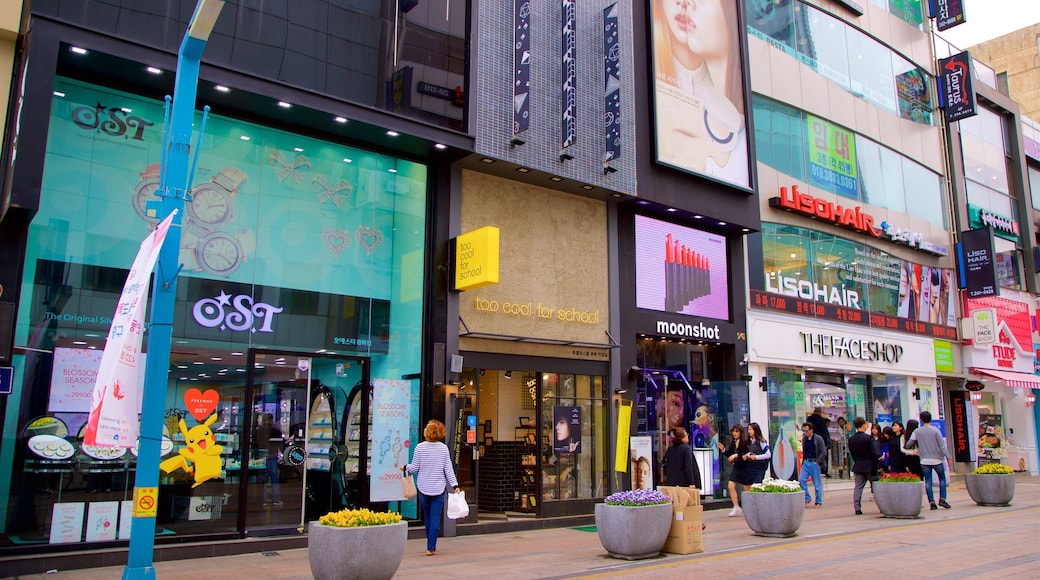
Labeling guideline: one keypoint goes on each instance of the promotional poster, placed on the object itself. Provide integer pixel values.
(642, 463)
(391, 404)
(566, 429)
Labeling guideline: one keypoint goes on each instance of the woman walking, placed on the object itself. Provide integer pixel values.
(680, 467)
(758, 455)
(433, 464)
(910, 457)
(735, 453)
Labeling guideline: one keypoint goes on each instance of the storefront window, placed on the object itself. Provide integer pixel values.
(288, 244)
(574, 419)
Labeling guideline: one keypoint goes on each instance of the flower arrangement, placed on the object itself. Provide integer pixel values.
(776, 486)
(637, 498)
(900, 477)
(993, 469)
(359, 518)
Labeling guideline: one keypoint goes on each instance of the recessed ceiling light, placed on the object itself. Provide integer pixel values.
(127, 110)
(216, 358)
(284, 105)
(487, 160)
(392, 170)
(153, 70)
(236, 354)
(222, 89)
(244, 137)
(722, 223)
(587, 187)
(347, 160)
(182, 366)
(298, 149)
(59, 94)
(697, 217)
(793, 255)
(615, 195)
(643, 202)
(745, 230)
(671, 209)
(340, 119)
(78, 50)
(392, 133)
(79, 342)
(440, 146)
(320, 350)
(198, 362)
(556, 178)
(523, 170)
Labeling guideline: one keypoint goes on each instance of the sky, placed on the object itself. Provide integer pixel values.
(988, 19)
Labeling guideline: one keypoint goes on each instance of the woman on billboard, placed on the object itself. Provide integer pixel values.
(699, 93)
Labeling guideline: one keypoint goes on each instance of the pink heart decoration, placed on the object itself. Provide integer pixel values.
(200, 404)
(335, 240)
(369, 238)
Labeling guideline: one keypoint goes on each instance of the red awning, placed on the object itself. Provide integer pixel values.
(1012, 378)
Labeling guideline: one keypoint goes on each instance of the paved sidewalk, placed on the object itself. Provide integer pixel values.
(829, 536)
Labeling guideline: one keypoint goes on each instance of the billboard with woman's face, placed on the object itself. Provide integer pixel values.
(699, 107)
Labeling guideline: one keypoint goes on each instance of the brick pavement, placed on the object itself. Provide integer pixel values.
(966, 541)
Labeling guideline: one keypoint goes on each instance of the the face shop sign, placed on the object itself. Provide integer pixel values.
(235, 313)
(829, 345)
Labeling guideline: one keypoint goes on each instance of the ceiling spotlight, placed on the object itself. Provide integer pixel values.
(556, 178)
(78, 50)
(59, 94)
(671, 210)
(440, 146)
(221, 89)
(392, 133)
(523, 170)
(284, 105)
(587, 187)
(153, 70)
(722, 223)
(617, 195)
(697, 217)
(244, 137)
(745, 230)
(487, 160)
(347, 160)
(340, 119)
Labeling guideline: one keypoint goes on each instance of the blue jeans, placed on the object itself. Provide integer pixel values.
(432, 506)
(811, 469)
(940, 471)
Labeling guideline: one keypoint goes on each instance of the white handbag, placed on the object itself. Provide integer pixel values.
(457, 506)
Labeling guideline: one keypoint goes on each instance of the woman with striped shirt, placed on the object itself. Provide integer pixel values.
(433, 464)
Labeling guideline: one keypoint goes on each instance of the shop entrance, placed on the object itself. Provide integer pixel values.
(301, 455)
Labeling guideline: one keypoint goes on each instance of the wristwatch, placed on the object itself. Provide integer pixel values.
(220, 252)
(213, 203)
(144, 192)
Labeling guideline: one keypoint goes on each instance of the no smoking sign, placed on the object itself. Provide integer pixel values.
(146, 502)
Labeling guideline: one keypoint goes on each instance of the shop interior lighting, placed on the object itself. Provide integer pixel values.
(298, 149)
(586, 187)
(347, 160)
(392, 170)
(697, 217)
(154, 70)
(59, 94)
(487, 160)
(672, 210)
(440, 146)
(745, 230)
(556, 178)
(523, 169)
(615, 195)
(284, 105)
(244, 137)
(1030, 400)
(221, 89)
(340, 119)
(78, 50)
(392, 133)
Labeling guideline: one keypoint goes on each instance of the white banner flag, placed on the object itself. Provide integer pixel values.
(114, 403)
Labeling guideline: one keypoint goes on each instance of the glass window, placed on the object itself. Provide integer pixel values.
(823, 47)
(773, 21)
(574, 418)
(986, 198)
(907, 10)
(871, 67)
(1008, 265)
(983, 151)
(1034, 186)
(779, 141)
(924, 196)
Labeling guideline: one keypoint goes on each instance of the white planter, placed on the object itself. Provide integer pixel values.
(899, 499)
(774, 515)
(366, 553)
(633, 533)
(997, 489)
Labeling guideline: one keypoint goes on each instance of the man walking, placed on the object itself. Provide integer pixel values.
(819, 423)
(931, 446)
(865, 460)
(813, 452)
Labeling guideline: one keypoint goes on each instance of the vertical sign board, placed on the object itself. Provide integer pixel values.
(832, 157)
(956, 92)
(612, 84)
(570, 75)
(521, 65)
(975, 264)
(399, 95)
(948, 13)
(959, 426)
(476, 259)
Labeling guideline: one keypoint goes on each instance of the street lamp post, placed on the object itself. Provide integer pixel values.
(173, 188)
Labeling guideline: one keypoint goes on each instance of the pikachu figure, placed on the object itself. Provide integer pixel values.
(201, 456)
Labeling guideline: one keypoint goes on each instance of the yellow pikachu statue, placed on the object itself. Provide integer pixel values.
(201, 457)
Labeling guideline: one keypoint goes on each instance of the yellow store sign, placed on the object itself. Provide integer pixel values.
(476, 258)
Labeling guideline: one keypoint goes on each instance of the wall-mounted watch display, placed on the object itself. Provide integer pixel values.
(145, 191)
(221, 253)
(213, 203)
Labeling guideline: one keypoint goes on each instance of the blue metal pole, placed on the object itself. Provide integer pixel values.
(173, 188)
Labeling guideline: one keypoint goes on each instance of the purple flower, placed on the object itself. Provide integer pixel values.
(637, 497)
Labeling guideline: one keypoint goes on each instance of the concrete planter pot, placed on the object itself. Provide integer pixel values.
(995, 489)
(899, 499)
(365, 553)
(633, 533)
(774, 515)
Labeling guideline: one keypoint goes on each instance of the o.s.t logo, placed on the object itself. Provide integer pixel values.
(112, 121)
(236, 313)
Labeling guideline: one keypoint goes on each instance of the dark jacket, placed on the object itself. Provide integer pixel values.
(680, 467)
(865, 453)
(896, 457)
(819, 427)
(819, 445)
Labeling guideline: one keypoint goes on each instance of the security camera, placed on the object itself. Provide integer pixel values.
(744, 362)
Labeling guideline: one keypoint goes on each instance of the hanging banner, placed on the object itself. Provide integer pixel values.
(956, 92)
(612, 84)
(391, 413)
(521, 65)
(976, 269)
(113, 420)
(570, 75)
(624, 424)
(959, 426)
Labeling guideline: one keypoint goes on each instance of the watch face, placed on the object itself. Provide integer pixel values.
(210, 205)
(218, 253)
(144, 193)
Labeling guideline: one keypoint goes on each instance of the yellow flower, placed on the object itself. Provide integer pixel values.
(356, 518)
(993, 469)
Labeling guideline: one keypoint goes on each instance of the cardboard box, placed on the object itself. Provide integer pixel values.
(685, 535)
(681, 497)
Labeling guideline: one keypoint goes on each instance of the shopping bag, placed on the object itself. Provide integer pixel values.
(457, 506)
(407, 487)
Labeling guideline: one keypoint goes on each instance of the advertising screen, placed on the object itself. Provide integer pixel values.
(681, 270)
(701, 117)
